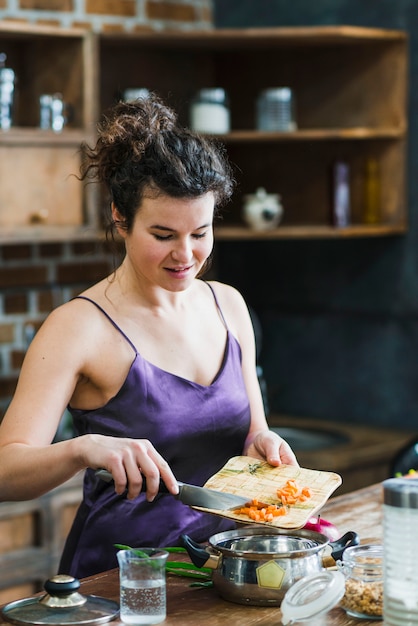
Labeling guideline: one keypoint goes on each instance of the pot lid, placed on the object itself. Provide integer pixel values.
(312, 595)
(62, 605)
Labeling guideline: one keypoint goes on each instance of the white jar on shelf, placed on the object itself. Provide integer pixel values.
(209, 112)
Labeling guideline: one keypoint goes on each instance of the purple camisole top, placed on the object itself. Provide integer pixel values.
(195, 428)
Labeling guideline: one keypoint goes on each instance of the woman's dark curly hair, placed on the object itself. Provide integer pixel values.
(142, 150)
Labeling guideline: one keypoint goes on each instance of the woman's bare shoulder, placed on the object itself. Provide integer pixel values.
(227, 295)
(76, 320)
(233, 307)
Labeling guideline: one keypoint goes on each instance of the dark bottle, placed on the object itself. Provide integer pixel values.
(372, 197)
(341, 195)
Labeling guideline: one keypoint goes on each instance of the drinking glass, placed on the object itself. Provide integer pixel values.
(142, 585)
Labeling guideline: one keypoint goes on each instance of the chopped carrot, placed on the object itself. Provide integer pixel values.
(261, 512)
(291, 493)
(288, 495)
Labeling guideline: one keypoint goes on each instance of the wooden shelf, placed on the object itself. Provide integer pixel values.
(259, 37)
(38, 137)
(350, 85)
(231, 233)
(45, 233)
(41, 233)
(313, 134)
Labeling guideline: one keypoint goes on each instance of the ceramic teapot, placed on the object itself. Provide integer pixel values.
(262, 210)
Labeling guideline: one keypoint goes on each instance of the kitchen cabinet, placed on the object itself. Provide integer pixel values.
(350, 87)
(40, 196)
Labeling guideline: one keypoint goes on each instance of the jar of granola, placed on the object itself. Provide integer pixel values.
(363, 569)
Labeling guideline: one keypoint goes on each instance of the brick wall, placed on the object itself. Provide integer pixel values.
(36, 278)
(105, 15)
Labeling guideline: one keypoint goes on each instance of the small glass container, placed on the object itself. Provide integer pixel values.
(52, 111)
(7, 92)
(363, 569)
(209, 112)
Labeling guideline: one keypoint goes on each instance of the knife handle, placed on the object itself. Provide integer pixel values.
(108, 478)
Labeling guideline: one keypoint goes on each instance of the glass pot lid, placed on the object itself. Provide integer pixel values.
(312, 596)
(61, 605)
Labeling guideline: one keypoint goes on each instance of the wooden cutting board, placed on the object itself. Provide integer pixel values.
(252, 478)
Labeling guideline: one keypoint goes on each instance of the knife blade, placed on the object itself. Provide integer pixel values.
(192, 495)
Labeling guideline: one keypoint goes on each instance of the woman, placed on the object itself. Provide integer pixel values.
(156, 366)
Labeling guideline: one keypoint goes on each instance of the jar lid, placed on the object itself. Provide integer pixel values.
(401, 492)
(312, 596)
(212, 94)
(284, 94)
(134, 93)
(7, 75)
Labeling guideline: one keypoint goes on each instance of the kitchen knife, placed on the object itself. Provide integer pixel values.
(193, 495)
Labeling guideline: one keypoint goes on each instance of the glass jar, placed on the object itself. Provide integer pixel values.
(400, 523)
(363, 569)
(276, 110)
(7, 91)
(209, 112)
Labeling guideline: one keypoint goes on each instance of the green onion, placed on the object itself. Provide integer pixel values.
(188, 566)
(175, 549)
(136, 551)
(187, 572)
(178, 568)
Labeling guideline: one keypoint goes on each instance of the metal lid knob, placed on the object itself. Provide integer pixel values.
(62, 591)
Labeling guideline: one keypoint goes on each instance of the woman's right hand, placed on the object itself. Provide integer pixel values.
(129, 461)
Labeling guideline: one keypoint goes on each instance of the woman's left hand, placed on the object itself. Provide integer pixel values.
(268, 446)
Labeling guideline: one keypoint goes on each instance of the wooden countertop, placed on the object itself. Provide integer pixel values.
(364, 458)
(186, 606)
(364, 445)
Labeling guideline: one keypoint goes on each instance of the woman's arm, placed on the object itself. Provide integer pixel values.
(67, 354)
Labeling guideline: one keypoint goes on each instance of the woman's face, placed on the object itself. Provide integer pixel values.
(171, 239)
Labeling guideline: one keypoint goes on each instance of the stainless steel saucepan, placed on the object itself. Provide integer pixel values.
(256, 566)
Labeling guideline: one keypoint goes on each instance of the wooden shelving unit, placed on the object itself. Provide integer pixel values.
(38, 184)
(351, 101)
(350, 85)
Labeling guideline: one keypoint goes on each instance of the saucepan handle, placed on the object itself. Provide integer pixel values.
(346, 541)
(197, 553)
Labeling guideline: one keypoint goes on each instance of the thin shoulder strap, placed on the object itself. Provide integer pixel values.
(217, 304)
(109, 318)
